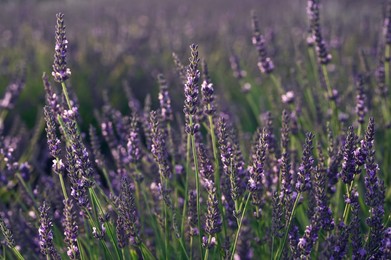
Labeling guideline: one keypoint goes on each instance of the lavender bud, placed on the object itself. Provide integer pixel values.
(349, 164)
(53, 142)
(191, 91)
(304, 175)
(324, 56)
(70, 230)
(164, 99)
(60, 70)
(5, 230)
(193, 216)
(207, 91)
(46, 233)
(265, 64)
(361, 106)
(213, 220)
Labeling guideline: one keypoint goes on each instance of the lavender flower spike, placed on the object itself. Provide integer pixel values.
(213, 220)
(349, 164)
(164, 99)
(304, 174)
(265, 63)
(70, 230)
(192, 92)
(46, 233)
(9, 238)
(60, 70)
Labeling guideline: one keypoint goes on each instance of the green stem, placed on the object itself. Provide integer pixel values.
(239, 226)
(110, 232)
(347, 205)
(207, 248)
(253, 106)
(191, 247)
(277, 84)
(65, 91)
(333, 106)
(165, 229)
(29, 192)
(17, 253)
(387, 65)
(272, 252)
(279, 252)
(186, 186)
(64, 191)
(197, 189)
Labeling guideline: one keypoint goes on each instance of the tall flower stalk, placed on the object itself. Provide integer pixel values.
(191, 107)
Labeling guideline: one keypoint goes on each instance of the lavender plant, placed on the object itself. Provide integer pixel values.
(153, 181)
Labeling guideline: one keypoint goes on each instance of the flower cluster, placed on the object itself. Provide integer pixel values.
(61, 72)
(265, 63)
(324, 56)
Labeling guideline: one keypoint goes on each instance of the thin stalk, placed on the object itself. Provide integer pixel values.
(17, 253)
(186, 185)
(146, 252)
(191, 247)
(333, 106)
(28, 190)
(239, 227)
(106, 176)
(277, 84)
(65, 91)
(216, 167)
(387, 65)
(347, 205)
(279, 252)
(253, 106)
(197, 189)
(272, 252)
(207, 248)
(108, 226)
(183, 248)
(165, 230)
(64, 191)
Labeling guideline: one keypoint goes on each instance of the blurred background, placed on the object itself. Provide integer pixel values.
(117, 42)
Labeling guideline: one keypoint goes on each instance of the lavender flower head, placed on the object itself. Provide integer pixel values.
(134, 146)
(362, 152)
(349, 164)
(46, 233)
(192, 92)
(387, 25)
(207, 91)
(70, 230)
(304, 175)
(193, 216)
(324, 56)
(164, 99)
(53, 142)
(9, 238)
(256, 170)
(265, 63)
(361, 98)
(213, 220)
(60, 70)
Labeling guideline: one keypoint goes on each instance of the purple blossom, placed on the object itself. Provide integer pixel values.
(349, 164)
(265, 63)
(304, 175)
(60, 70)
(192, 92)
(46, 233)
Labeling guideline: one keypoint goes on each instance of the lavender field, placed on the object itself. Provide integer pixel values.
(195, 129)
